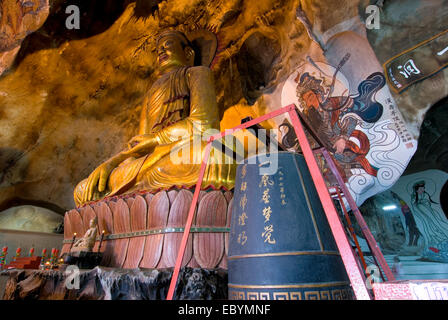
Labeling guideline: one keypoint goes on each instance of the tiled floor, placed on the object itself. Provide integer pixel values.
(412, 269)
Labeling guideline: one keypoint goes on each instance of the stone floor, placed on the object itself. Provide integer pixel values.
(412, 268)
(112, 284)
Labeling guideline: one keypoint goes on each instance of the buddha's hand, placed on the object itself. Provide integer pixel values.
(143, 140)
(98, 179)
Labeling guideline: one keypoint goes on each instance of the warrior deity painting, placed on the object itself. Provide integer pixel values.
(334, 118)
(353, 122)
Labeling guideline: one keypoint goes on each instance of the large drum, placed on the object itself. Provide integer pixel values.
(281, 246)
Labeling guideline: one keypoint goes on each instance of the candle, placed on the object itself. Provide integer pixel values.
(3, 256)
(101, 240)
(53, 254)
(73, 240)
(44, 255)
(18, 251)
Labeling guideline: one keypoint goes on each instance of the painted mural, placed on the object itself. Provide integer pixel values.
(415, 201)
(361, 126)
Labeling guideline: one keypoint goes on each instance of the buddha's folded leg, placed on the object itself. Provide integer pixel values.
(79, 192)
(118, 181)
(158, 171)
(163, 173)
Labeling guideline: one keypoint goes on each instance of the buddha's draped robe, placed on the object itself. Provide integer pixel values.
(180, 107)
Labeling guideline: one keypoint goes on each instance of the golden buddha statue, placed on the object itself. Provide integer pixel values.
(179, 108)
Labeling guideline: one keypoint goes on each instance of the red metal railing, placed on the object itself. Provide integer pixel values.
(354, 271)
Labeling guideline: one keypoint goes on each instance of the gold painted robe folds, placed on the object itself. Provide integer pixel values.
(180, 107)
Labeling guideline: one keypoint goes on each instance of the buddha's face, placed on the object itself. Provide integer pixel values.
(170, 52)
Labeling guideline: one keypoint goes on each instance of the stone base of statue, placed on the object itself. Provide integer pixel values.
(103, 283)
(144, 230)
(83, 259)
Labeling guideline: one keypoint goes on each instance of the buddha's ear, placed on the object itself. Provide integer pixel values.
(189, 55)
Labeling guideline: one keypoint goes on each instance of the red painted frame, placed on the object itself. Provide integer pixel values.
(361, 222)
(355, 273)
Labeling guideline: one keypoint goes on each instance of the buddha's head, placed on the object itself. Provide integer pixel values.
(174, 50)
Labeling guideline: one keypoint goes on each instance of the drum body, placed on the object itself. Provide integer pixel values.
(281, 246)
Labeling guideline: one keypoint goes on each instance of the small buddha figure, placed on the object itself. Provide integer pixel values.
(87, 242)
(180, 107)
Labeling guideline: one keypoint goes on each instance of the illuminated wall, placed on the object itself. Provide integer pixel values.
(408, 218)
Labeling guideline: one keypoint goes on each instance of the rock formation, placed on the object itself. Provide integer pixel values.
(112, 284)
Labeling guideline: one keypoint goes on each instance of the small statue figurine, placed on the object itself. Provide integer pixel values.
(87, 242)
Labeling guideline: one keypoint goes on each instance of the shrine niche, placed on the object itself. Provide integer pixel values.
(258, 61)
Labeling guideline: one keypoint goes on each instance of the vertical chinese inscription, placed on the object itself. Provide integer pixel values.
(266, 183)
(282, 186)
(400, 126)
(242, 218)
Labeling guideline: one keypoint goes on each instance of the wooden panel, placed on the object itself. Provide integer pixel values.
(129, 200)
(158, 211)
(202, 193)
(65, 248)
(138, 215)
(112, 203)
(87, 214)
(228, 195)
(105, 222)
(121, 225)
(68, 233)
(177, 218)
(223, 263)
(121, 213)
(76, 223)
(228, 222)
(105, 217)
(148, 197)
(172, 194)
(209, 247)
(193, 263)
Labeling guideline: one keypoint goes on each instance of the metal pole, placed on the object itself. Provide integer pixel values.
(183, 243)
(365, 229)
(350, 227)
